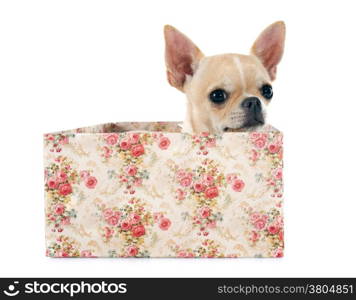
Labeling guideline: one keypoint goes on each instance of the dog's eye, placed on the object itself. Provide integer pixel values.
(218, 96)
(267, 91)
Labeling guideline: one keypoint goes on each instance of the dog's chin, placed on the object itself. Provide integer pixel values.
(248, 125)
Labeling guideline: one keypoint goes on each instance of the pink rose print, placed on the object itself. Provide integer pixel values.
(164, 224)
(135, 218)
(132, 251)
(254, 236)
(186, 181)
(107, 213)
(84, 174)
(90, 182)
(230, 178)
(107, 152)
(260, 223)
(211, 143)
(272, 229)
(62, 254)
(255, 135)
(134, 138)
(255, 155)
(268, 147)
(266, 226)
(180, 174)
(65, 189)
(130, 148)
(125, 144)
(62, 176)
(131, 170)
(203, 186)
(56, 141)
(52, 183)
(59, 209)
(185, 254)
(269, 143)
(113, 220)
(278, 252)
(281, 235)
(112, 139)
(260, 143)
(63, 140)
(202, 189)
(164, 143)
(132, 224)
(180, 194)
(65, 221)
(59, 217)
(211, 192)
(157, 216)
(199, 187)
(205, 212)
(275, 181)
(208, 179)
(125, 225)
(138, 231)
(65, 246)
(211, 224)
(138, 182)
(238, 185)
(137, 150)
(50, 137)
(108, 232)
(204, 142)
(273, 148)
(278, 173)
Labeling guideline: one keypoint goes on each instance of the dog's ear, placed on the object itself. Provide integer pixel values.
(182, 56)
(269, 47)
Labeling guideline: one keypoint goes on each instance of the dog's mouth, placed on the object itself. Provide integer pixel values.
(249, 123)
(230, 129)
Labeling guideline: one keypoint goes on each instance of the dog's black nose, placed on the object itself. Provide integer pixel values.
(252, 104)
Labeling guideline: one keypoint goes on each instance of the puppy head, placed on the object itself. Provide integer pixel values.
(228, 91)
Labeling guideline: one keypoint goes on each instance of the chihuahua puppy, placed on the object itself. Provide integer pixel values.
(227, 92)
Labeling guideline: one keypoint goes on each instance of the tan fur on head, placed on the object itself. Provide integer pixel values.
(241, 76)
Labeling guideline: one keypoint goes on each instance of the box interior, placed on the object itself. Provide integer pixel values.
(164, 127)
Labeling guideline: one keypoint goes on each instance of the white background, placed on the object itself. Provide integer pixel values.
(66, 64)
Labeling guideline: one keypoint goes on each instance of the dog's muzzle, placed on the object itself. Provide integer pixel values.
(253, 110)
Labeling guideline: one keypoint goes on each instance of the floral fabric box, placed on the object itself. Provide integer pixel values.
(148, 190)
